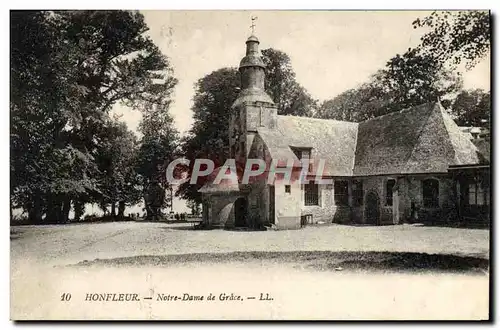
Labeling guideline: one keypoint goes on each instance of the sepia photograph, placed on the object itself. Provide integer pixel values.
(225, 165)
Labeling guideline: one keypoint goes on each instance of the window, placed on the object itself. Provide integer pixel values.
(430, 192)
(389, 185)
(478, 194)
(288, 189)
(357, 192)
(304, 153)
(341, 192)
(311, 194)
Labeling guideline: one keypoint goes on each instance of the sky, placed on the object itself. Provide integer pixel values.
(330, 51)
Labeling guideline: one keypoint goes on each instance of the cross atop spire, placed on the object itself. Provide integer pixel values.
(254, 18)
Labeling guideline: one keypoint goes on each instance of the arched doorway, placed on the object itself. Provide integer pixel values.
(372, 208)
(240, 212)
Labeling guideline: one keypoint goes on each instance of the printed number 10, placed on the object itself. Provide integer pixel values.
(66, 297)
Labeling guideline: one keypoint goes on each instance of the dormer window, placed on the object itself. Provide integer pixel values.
(303, 153)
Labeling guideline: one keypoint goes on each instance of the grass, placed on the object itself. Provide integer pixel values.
(315, 260)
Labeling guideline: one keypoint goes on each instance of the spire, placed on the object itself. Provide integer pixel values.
(252, 57)
(252, 69)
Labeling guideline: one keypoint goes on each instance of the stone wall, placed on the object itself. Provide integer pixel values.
(408, 190)
(219, 210)
(326, 211)
(287, 206)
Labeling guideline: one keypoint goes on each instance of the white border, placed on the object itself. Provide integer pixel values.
(178, 5)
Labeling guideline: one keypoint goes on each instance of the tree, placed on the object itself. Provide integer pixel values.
(46, 169)
(357, 104)
(194, 207)
(68, 68)
(158, 147)
(412, 79)
(214, 95)
(456, 36)
(472, 108)
(407, 80)
(290, 97)
(209, 136)
(118, 180)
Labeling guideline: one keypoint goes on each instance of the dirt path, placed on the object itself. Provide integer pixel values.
(59, 245)
(333, 272)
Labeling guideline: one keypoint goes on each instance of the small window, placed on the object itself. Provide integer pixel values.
(341, 192)
(302, 153)
(311, 194)
(389, 185)
(430, 192)
(357, 192)
(288, 189)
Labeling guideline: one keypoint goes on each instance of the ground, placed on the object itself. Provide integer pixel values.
(71, 244)
(394, 269)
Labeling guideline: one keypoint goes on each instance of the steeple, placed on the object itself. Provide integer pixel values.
(253, 109)
(252, 70)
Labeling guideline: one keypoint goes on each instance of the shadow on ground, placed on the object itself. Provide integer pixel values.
(314, 260)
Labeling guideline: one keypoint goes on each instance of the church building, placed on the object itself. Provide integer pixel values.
(387, 170)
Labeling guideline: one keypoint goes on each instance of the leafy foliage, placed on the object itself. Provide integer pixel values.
(68, 68)
(158, 147)
(214, 95)
(407, 80)
(456, 36)
(290, 97)
(208, 137)
(117, 179)
(472, 108)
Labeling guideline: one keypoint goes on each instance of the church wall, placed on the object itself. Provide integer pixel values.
(429, 215)
(287, 206)
(377, 184)
(326, 211)
(408, 190)
(260, 114)
(258, 203)
(219, 210)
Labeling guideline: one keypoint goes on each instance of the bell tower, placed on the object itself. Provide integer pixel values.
(254, 108)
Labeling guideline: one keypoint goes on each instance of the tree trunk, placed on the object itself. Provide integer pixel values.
(113, 209)
(121, 209)
(53, 210)
(79, 209)
(149, 213)
(35, 209)
(35, 213)
(66, 207)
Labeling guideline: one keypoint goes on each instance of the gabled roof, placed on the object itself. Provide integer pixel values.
(226, 185)
(331, 140)
(422, 139)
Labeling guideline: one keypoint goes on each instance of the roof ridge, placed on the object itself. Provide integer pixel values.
(318, 119)
(448, 133)
(400, 111)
